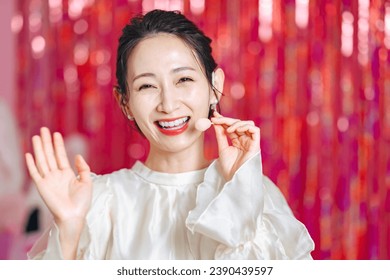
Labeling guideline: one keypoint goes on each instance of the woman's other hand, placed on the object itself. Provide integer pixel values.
(244, 137)
(68, 197)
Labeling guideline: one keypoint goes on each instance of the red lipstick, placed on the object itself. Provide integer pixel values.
(174, 130)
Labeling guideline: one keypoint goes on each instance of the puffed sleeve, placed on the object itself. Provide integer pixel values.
(247, 216)
(95, 236)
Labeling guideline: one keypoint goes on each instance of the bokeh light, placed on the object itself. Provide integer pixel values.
(314, 75)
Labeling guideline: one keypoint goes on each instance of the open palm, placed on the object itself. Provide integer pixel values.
(68, 197)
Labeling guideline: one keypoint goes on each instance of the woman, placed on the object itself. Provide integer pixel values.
(176, 205)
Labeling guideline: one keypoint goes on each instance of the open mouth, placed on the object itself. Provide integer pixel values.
(173, 126)
(176, 124)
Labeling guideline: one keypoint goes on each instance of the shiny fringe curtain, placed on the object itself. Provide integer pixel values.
(313, 74)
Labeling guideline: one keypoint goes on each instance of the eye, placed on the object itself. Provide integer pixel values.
(185, 79)
(145, 86)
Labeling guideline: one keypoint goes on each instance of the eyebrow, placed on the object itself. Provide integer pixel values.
(179, 69)
(183, 69)
(143, 75)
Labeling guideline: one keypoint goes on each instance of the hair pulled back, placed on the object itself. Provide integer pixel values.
(152, 23)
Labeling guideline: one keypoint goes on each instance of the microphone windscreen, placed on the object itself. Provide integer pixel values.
(202, 124)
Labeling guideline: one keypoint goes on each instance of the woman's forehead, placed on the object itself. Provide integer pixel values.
(162, 50)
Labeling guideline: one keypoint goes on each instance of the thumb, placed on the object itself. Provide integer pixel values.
(82, 169)
(221, 137)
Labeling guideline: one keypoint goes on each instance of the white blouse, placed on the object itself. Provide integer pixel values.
(138, 213)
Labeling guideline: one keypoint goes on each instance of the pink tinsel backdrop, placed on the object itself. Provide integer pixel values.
(313, 74)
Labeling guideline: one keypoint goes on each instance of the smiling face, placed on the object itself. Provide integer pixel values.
(168, 92)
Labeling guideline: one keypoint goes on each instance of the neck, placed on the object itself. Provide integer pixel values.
(186, 160)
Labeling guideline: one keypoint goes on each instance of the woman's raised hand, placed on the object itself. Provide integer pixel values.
(245, 142)
(68, 197)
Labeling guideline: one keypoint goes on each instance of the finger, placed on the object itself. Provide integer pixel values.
(238, 124)
(256, 135)
(221, 137)
(249, 130)
(62, 158)
(48, 148)
(40, 158)
(242, 127)
(32, 169)
(82, 169)
(224, 120)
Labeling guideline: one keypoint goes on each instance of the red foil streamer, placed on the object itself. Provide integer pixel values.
(318, 92)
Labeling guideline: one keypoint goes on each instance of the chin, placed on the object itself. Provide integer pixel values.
(179, 144)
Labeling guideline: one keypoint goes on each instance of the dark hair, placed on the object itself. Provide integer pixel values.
(158, 21)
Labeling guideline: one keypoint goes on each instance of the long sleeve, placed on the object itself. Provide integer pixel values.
(248, 216)
(95, 236)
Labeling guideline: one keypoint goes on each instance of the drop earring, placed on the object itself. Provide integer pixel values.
(130, 117)
(213, 108)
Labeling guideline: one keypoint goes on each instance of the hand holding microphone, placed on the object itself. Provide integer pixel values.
(237, 141)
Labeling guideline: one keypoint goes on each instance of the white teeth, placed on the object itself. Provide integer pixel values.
(174, 123)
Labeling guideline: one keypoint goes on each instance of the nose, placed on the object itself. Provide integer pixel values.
(169, 100)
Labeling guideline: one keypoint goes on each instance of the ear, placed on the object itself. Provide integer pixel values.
(218, 82)
(119, 99)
